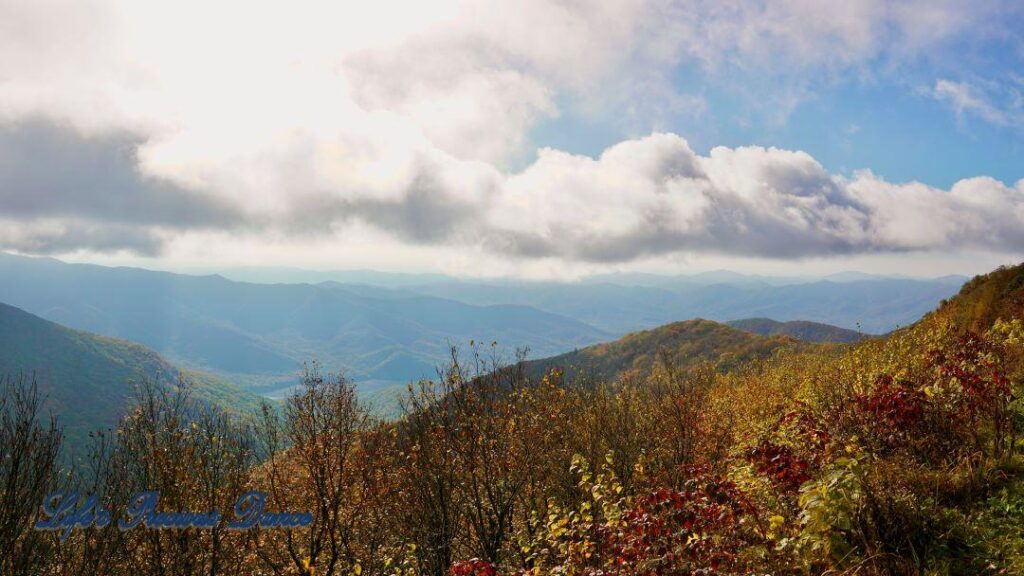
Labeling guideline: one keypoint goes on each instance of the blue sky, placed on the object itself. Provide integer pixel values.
(884, 117)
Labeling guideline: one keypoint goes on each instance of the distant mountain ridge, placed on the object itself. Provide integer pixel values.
(799, 329)
(286, 275)
(260, 334)
(876, 305)
(86, 379)
(980, 301)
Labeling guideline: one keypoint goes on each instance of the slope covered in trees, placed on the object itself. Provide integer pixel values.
(896, 455)
(985, 299)
(86, 380)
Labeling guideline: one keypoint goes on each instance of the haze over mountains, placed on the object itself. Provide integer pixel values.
(89, 331)
(875, 305)
(259, 334)
(624, 302)
(87, 380)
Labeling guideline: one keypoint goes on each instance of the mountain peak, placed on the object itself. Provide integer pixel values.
(799, 329)
(687, 342)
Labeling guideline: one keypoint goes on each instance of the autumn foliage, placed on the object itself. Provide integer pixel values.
(896, 455)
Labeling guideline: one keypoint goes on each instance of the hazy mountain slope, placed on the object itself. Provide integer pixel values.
(88, 379)
(876, 305)
(799, 329)
(687, 343)
(260, 330)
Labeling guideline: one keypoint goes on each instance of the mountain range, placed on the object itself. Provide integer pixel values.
(873, 305)
(259, 334)
(88, 332)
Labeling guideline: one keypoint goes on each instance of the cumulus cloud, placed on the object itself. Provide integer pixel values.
(51, 171)
(656, 196)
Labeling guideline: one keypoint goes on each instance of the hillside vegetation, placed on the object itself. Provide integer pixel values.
(985, 299)
(899, 455)
(86, 380)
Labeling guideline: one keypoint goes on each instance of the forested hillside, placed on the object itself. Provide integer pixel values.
(900, 454)
(87, 381)
(986, 299)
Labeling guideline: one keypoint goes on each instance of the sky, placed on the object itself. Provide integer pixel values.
(531, 139)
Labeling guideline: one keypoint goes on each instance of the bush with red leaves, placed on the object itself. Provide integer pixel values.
(473, 567)
(781, 465)
(973, 363)
(968, 363)
(895, 407)
(695, 530)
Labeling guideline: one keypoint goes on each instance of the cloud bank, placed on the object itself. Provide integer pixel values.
(644, 197)
(131, 126)
(654, 195)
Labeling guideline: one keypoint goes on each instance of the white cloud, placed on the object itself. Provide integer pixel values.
(309, 120)
(655, 196)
